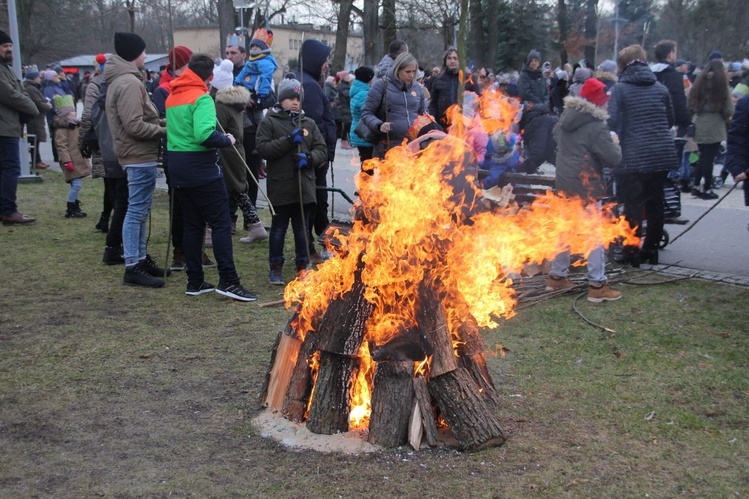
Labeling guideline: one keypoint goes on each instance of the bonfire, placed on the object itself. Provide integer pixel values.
(386, 334)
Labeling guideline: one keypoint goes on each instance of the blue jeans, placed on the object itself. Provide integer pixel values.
(141, 182)
(278, 226)
(209, 204)
(75, 188)
(10, 170)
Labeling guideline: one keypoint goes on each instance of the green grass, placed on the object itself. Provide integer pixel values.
(108, 390)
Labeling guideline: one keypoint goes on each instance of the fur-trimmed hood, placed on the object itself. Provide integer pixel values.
(579, 112)
(233, 96)
(605, 76)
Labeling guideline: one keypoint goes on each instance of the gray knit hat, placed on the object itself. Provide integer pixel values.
(289, 88)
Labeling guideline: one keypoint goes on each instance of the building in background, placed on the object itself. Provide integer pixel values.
(82, 63)
(287, 39)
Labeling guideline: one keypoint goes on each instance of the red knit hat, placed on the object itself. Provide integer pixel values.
(179, 56)
(101, 59)
(424, 123)
(594, 91)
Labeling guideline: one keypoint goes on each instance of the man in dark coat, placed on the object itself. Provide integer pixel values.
(444, 89)
(737, 145)
(36, 126)
(667, 75)
(14, 101)
(536, 123)
(313, 61)
(641, 114)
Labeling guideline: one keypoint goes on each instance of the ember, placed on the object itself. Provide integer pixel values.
(392, 320)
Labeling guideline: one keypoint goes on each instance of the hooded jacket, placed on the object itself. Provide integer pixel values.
(36, 124)
(274, 146)
(737, 143)
(578, 79)
(584, 149)
(396, 102)
(359, 91)
(89, 101)
(667, 76)
(230, 104)
(191, 136)
(532, 84)
(640, 113)
(343, 101)
(711, 121)
(14, 101)
(315, 104)
(132, 117)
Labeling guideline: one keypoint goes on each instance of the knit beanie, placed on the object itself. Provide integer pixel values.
(101, 60)
(32, 72)
(502, 142)
(739, 90)
(179, 56)
(289, 88)
(48, 74)
(129, 46)
(223, 77)
(533, 54)
(715, 54)
(594, 91)
(4, 38)
(607, 66)
(262, 38)
(364, 74)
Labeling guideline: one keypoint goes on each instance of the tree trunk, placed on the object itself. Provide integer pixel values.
(475, 365)
(392, 400)
(432, 320)
(563, 27)
(465, 412)
(371, 29)
(388, 24)
(331, 404)
(478, 49)
(492, 9)
(341, 36)
(591, 30)
(226, 20)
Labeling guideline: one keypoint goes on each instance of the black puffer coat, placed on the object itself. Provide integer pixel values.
(737, 148)
(641, 114)
(444, 93)
(532, 88)
(667, 76)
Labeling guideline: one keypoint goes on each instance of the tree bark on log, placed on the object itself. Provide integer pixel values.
(300, 384)
(432, 320)
(425, 407)
(331, 404)
(342, 328)
(476, 367)
(465, 412)
(392, 401)
(287, 330)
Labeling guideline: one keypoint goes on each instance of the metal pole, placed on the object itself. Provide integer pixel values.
(26, 175)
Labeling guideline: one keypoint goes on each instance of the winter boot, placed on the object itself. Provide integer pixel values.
(103, 224)
(74, 210)
(207, 262)
(602, 292)
(178, 261)
(208, 238)
(137, 275)
(257, 233)
(112, 255)
(150, 266)
(556, 283)
(275, 276)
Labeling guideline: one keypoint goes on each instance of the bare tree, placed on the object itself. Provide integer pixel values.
(341, 37)
(388, 24)
(591, 30)
(478, 37)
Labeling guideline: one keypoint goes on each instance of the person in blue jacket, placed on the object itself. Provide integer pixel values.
(359, 90)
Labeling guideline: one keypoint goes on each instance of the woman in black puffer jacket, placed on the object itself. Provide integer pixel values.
(641, 114)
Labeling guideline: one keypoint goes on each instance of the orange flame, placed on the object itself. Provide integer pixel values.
(422, 220)
(361, 394)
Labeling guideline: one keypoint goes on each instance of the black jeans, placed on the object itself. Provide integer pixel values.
(10, 170)
(278, 226)
(708, 152)
(201, 205)
(642, 195)
(117, 189)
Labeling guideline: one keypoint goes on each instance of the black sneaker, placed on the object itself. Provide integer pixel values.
(149, 265)
(178, 262)
(709, 195)
(207, 262)
(136, 275)
(112, 255)
(194, 289)
(236, 291)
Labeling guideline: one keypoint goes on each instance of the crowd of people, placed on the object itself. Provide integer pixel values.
(216, 127)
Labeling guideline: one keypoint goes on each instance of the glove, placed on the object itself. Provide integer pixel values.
(86, 151)
(296, 137)
(69, 166)
(302, 160)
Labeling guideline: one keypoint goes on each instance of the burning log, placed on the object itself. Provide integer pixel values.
(392, 400)
(425, 413)
(330, 407)
(282, 361)
(465, 411)
(432, 320)
(300, 384)
(471, 358)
